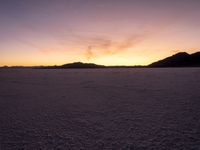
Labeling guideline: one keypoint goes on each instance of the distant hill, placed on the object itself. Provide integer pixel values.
(74, 65)
(81, 65)
(181, 59)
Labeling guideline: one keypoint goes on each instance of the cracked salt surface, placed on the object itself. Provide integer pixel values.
(100, 109)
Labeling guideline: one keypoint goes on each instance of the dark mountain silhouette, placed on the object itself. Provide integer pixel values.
(81, 65)
(74, 65)
(181, 59)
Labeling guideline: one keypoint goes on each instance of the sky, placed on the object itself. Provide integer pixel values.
(107, 32)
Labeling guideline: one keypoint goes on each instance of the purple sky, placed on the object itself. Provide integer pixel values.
(109, 32)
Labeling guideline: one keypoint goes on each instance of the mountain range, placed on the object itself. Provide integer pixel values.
(181, 59)
(73, 65)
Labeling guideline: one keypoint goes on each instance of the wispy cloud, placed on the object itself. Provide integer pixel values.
(101, 46)
(90, 45)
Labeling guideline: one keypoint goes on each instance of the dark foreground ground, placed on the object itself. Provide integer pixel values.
(119, 109)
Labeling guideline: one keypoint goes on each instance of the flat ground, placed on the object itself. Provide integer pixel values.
(157, 109)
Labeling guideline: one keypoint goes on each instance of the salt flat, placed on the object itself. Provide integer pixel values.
(96, 109)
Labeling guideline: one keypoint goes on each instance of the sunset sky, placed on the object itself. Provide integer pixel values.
(108, 32)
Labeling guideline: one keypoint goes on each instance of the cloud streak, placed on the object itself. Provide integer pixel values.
(101, 46)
